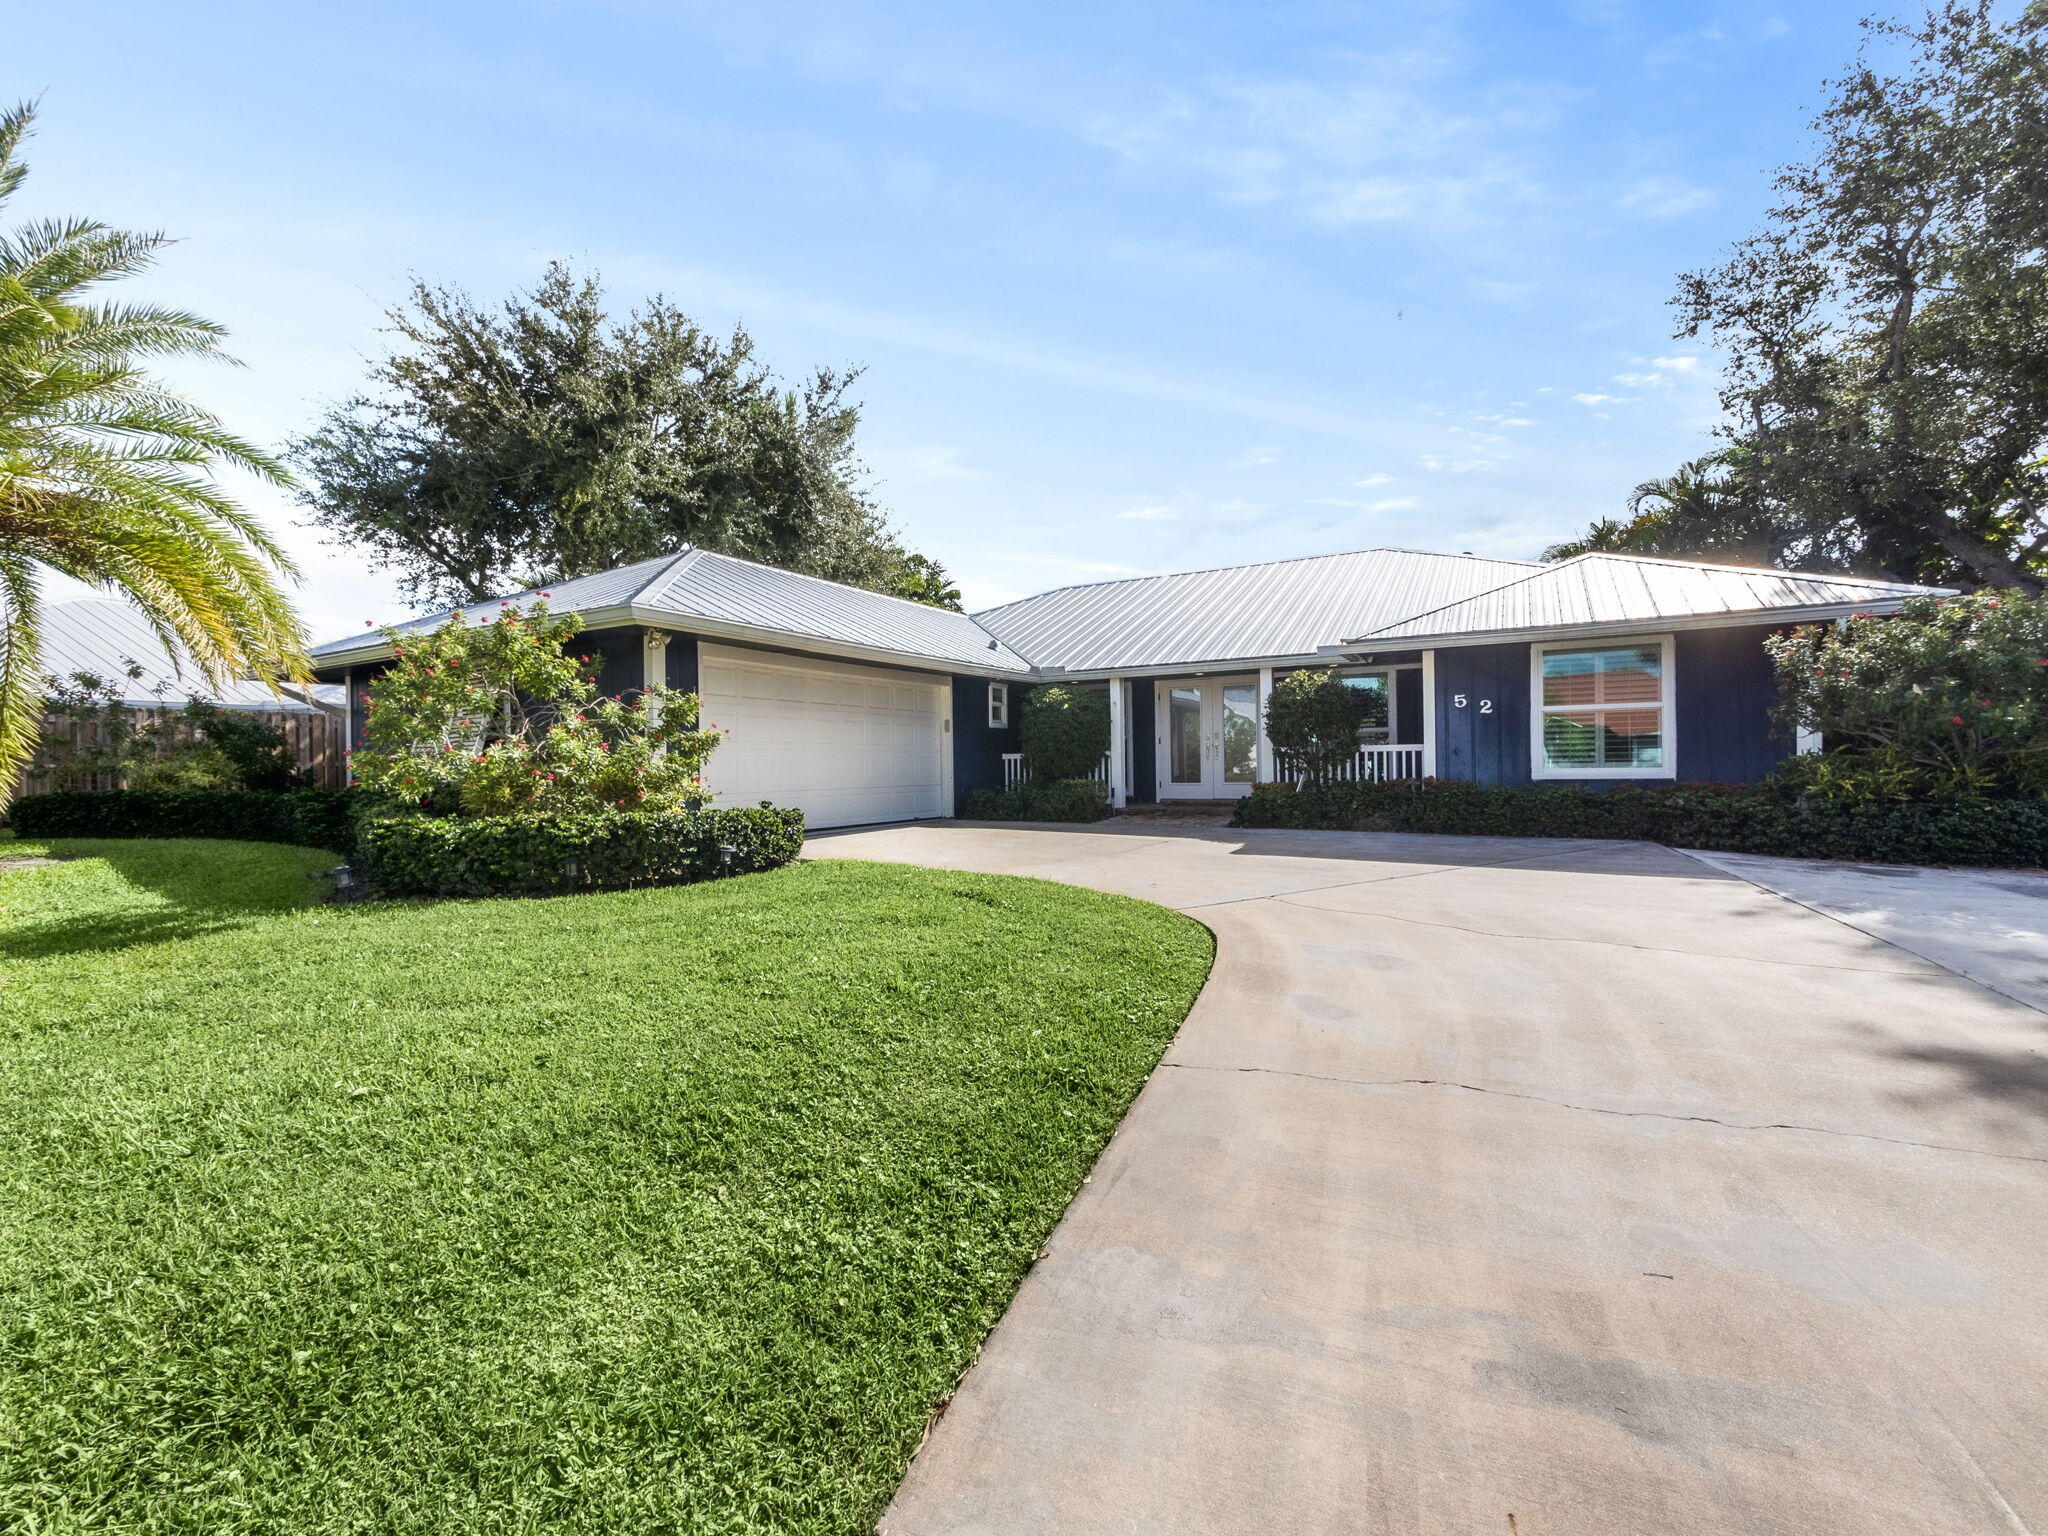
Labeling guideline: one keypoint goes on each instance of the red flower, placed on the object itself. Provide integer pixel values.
(1955, 719)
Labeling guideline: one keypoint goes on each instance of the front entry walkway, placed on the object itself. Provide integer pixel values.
(1531, 1188)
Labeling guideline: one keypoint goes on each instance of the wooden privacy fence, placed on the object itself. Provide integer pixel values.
(314, 736)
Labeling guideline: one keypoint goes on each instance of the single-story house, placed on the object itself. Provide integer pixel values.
(859, 707)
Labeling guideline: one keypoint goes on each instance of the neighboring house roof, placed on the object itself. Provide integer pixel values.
(712, 594)
(1610, 591)
(1280, 610)
(103, 637)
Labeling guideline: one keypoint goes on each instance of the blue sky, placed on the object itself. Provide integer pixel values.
(1139, 286)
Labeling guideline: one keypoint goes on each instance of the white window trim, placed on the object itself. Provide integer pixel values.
(1667, 706)
(998, 706)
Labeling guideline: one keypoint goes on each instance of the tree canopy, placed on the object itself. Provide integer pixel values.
(540, 439)
(1886, 332)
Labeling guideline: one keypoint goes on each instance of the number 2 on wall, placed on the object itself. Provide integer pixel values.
(1485, 705)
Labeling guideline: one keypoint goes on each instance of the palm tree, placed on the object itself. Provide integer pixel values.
(107, 476)
(1606, 533)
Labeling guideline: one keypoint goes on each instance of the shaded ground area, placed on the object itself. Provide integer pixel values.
(656, 1211)
(1574, 1182)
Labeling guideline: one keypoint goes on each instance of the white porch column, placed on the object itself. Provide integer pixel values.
(1264, 772)
(1119, 744)
(1429, 714)
(654, 668)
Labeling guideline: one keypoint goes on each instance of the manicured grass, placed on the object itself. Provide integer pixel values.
(661, 1211)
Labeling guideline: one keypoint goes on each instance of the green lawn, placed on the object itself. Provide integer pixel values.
(660, 1211)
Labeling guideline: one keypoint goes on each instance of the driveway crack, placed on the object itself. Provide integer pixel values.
(1596, 1109)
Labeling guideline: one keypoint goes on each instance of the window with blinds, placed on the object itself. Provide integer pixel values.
(1603, 711)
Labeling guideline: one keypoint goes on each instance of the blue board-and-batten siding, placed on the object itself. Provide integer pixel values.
(1723, 685)
(978, 747)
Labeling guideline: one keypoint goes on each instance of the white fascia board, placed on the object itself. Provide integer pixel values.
(1745, 618)
(1210, 668)
(784, 640)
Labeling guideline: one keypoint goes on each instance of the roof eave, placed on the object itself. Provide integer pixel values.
(377, 648)
(1810, 614)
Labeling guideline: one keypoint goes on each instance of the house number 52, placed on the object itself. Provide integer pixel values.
(1458, 701)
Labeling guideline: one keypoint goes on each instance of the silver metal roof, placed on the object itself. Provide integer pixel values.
(721, 594)
(1598, 590)
(1241, 613)
(103, 636)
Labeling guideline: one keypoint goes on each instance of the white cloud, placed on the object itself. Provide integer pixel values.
(1373, 480)
(1506, 421)
(941, 464)
(1252, 458)
(1457, 466)
(1676, 364)
(1591, 399)
(1395, 504)
(1332, 501)
(1664, 197)
(1641, 380)
(1149, 515)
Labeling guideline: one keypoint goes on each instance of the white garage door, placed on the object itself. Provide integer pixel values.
(847, 744)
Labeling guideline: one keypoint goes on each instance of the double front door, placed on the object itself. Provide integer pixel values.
(1208, 740)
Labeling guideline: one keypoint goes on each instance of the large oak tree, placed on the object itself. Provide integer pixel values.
(1886, 332)
(541, 439)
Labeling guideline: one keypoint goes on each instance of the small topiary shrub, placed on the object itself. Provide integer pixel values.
(1057, 800)
(309, 818)
(1313, 719)
(1764, 819)
(1064, 733)
(410, 855)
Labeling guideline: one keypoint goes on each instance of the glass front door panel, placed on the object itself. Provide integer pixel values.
(1240, 733)
(1184, 735)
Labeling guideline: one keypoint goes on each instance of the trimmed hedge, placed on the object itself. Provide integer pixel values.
(1728, 818)
(309, 818)
(556, 855)
(1054, 800)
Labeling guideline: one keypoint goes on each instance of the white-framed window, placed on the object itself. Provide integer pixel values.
(998, 706)
(1375, 693)
(1602, 709)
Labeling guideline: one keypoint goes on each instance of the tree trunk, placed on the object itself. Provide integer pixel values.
(1986, 563)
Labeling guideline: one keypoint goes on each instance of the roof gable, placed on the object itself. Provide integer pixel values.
(724, 592)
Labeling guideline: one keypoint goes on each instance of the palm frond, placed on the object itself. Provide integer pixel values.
(21, 654)
(108, 476)
(14, 126)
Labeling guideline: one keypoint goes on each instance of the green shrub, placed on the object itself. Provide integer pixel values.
(411, 855)
(495, 719)
(1064, 733)
(1052, 800)
(1731, 818)
(1313, 718)
(1949, 696)
(309, 818)
(255, 751)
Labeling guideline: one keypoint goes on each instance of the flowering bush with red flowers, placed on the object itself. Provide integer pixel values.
(502, 718)
(1947, 698)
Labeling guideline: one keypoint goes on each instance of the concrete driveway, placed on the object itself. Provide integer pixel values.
(1538, 1188)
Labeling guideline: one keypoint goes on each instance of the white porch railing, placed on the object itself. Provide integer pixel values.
(1372, 765)
(1014, 772)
